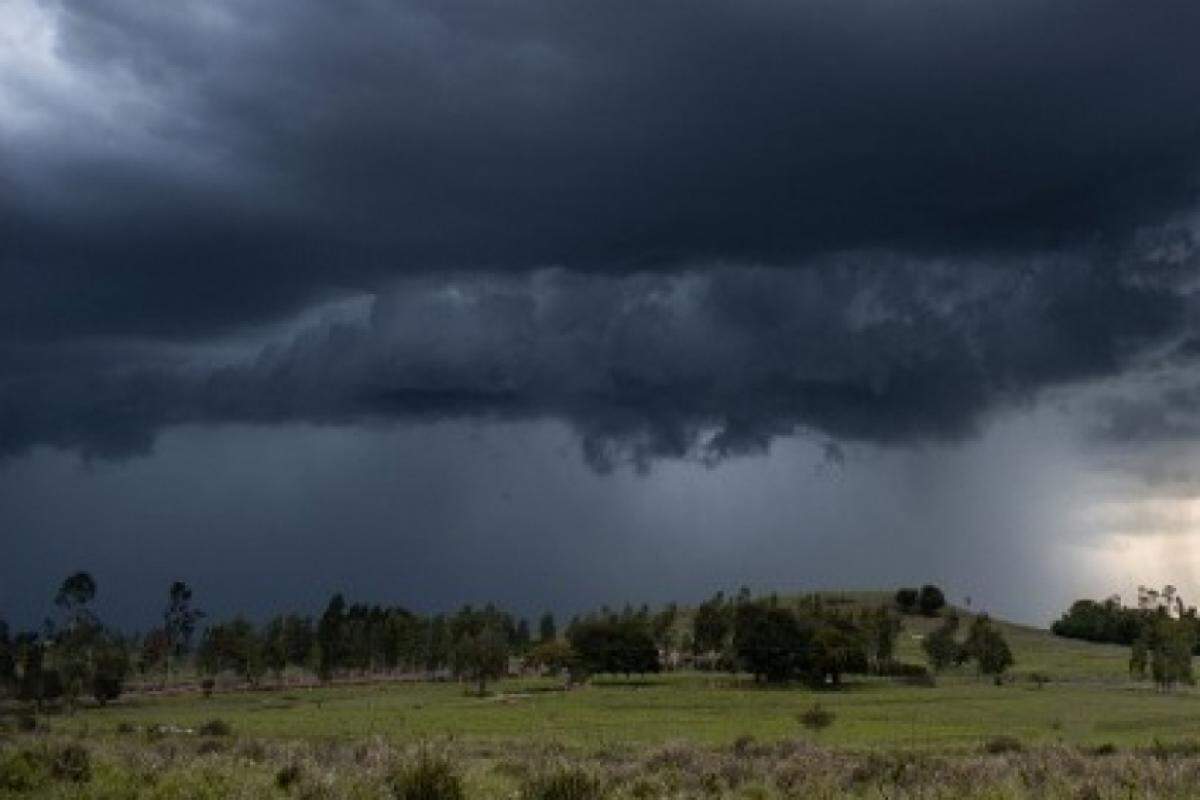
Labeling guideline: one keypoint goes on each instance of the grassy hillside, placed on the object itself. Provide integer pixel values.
(1035, 649)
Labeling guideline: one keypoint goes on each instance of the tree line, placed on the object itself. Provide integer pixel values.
(801, 640)
(72, 656)
(1161, 646)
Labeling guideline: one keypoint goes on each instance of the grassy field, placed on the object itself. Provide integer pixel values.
(1089, 732)
(1090, 700)
(959, 712)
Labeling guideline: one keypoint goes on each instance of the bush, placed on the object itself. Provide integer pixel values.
(931, 600)
(288, 776)
(106, 688)
(215, 727)
(563, 783)
(744, 746)
(1106, 749)
(999, 745)
(52, 685)
(72, 763)
(22, 771)
(1183, 748)
(210, 747)
(816, 718)
(906, 600)
(428, 777)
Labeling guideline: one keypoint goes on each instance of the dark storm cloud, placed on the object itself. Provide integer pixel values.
(255, 157)
(701, 364)
(686, 230)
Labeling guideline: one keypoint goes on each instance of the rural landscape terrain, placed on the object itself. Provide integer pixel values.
(599, 399)
(830, 694)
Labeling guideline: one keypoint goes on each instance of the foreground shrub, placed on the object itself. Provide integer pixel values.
(28, 770)
(1106, 749)
(428, 777)
(563, 783)
(211, 746)
(999, 745)
(816, 718)
(1183, 748)
(288, 776)
(72, 763)
(22, 771)
(215, 727)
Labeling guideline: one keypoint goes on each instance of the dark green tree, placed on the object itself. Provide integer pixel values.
(931, 600)
(75, 594)
(663, 627)
(299, 640)
(1104, 621)
(274, 647)
(8, 661)
(556, 658)
(906, 600)
(179, 624)
(77, 638)
(941, 647)
(880, 628)
(711, 625)
(523, 637)
(331, 638)
(232, 646)
(987, 647)
(547, 629)
(438, 649)
(111, 667)
(614, 644)
(1165, 648)
(481, 655)
(30, 651)
(770, 643)
(154, 652)
(838, 647)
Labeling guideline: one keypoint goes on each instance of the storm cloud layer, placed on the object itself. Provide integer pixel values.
(684, 230)
(702, 364)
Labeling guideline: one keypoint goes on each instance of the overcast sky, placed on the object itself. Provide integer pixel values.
(558, 304)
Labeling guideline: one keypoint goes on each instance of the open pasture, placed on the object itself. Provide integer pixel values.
(710, 709)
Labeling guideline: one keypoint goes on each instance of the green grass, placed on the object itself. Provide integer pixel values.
(960, 711)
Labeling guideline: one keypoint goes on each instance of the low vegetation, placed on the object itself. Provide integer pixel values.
(375, 768)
